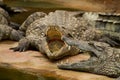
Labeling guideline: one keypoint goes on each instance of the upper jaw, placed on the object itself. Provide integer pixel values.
(53, 45)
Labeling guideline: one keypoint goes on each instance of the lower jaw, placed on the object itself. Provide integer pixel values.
(55, 45)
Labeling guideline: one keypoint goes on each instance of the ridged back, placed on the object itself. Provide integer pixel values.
(61, 19)
(109, 22)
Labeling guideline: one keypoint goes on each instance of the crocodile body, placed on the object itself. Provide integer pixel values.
(63, 33)
(104, 58)
(4, 17)
(6, 31)
(30, 19)
(44, 32)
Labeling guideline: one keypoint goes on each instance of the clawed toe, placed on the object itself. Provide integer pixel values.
(20, 49)
(14, 49)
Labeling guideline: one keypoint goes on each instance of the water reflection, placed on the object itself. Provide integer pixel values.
(11, 74)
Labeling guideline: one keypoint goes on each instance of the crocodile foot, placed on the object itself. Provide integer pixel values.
(23, 45)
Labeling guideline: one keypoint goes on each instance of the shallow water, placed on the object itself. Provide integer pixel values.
(11, 74)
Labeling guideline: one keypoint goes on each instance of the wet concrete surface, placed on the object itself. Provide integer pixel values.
(35, 63)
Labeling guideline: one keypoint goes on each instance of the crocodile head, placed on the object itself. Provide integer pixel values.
(54, 38)
(55, 45)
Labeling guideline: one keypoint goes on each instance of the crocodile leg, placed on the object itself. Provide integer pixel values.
(113, 38)
(28, 42)
(22, 46)
(16, 35)
(41, 45)
(106, 39)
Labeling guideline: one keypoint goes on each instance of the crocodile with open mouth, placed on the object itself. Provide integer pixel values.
(44, 32)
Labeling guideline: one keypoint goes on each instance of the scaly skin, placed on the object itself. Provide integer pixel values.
(7, 33)
(30, 19)
(6, 30)
(37, 34)
(66, 23)
(100, 27)
(104, 59)
(42, 29)
(4, 17)
(4, 13)
(3, 20)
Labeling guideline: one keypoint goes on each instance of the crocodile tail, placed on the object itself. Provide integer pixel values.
(108, 22)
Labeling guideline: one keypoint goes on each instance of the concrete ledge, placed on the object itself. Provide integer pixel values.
(34, 63)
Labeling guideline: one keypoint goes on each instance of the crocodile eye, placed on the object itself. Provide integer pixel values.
(117, 55)
(63, 27)
(69, 35)
(42, 34)
(77, 33)
(73, 33)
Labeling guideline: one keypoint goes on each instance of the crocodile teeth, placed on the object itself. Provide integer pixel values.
(61, 62)
(67, 61)
(69, 47)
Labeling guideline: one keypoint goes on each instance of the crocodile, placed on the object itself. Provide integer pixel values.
(104, 59)
(30, 19)
(7, 32)
(44, 32)
(98, 26)
(4, 17)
